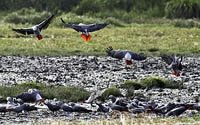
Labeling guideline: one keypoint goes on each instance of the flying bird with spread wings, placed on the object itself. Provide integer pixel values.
(36, 29)
(85, 29)
(175, 63)
(125, 55)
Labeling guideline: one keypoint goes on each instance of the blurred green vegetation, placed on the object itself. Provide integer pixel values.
(126, 11)
(49, 92)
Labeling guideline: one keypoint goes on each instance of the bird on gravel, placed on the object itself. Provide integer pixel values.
(33, 95)
(3, 109)
(10, 103)
(177, 111)
(29, 108)
(53, 107)
(118, 107)
(102, 108)
(85, 29)
(18, 109)
(66, 108)
(125, 55)
(174, 63)
(78, 108)
(36, 29)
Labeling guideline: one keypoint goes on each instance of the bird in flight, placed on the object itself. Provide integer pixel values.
(85, 29)
(174, 62)
(36, 29)
(126, 55)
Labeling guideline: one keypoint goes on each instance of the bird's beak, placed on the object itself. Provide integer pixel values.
(86, 38)
(39, 37)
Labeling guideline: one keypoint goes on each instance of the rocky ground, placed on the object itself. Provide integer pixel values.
(90, 72)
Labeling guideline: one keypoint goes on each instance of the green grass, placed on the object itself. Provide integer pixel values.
(139, 38)
(123, 119)
(60, 92)
(152, 82)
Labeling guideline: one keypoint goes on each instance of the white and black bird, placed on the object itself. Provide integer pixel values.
(85, 28)
(33, 95)
(175, 63)
(10, 103)
(125, 55)
(36, 29)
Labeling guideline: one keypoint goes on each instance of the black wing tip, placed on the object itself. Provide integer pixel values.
(62, 20)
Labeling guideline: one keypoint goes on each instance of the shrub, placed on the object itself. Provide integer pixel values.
(111, 91)
(26, 15)
(60, 92)
(131, 85)
(183, 9)
(158, 82)
(187, 24)
(86, 6)
(153, 82)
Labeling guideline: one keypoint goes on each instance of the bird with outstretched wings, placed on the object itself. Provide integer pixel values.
(85, 28)
(128, 56)
(36, 29)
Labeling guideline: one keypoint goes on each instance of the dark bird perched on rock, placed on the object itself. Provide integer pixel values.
(33, 95)
(53, 107)
(177, 111)
(114, 106)
(19, 109)
(85, 28)
(128, 56)
(137, 110)
(174, 63)
(36, 29)
(29, 108)
(118, 107)
(66, 108)
(3, 109)
(102, 108)
(80, 109)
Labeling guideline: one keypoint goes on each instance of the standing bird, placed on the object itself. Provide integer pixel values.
(36, 29)
(174, 63)
(128, 56)
(53, 107)
(85, 29)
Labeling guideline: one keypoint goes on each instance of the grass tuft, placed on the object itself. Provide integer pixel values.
(60, 92)
(111, 91)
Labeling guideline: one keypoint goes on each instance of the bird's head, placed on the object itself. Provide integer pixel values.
(109, 49)
(9, 99)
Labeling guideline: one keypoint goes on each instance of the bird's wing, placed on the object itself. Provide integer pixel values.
(119, 54)
(44, 24)
(138, 57)
(167, 59)
(73, 26)
(25, 31)
(96, 27)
